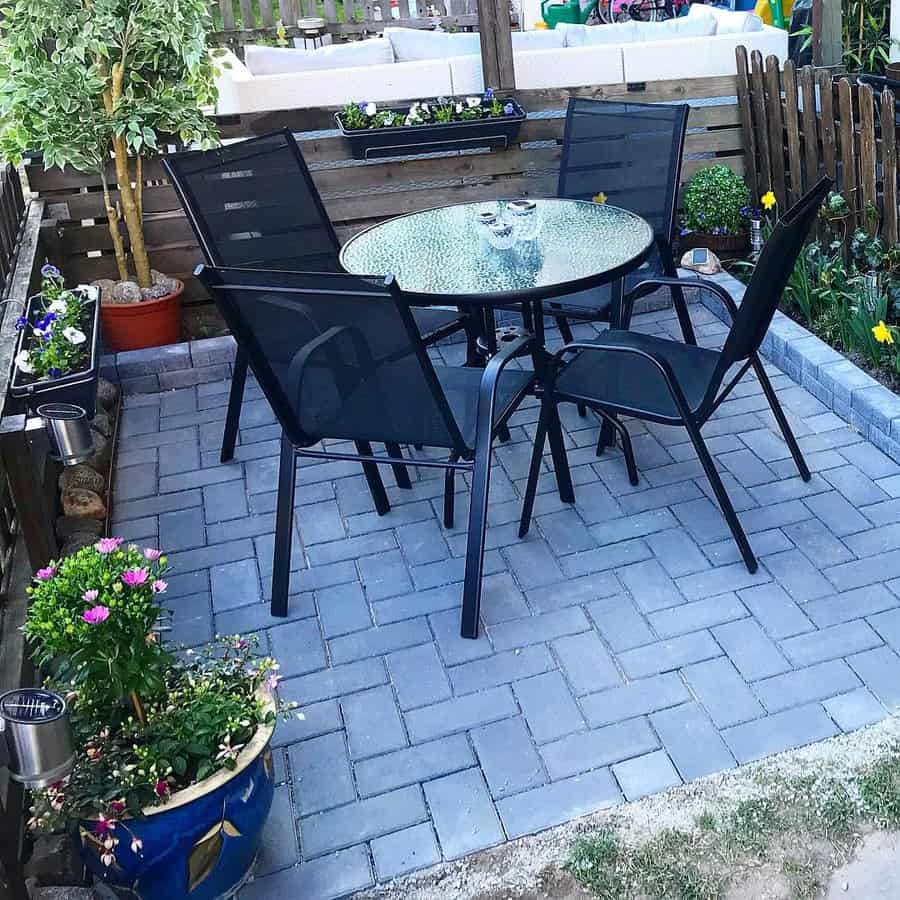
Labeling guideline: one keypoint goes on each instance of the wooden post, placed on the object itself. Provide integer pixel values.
(828, 47)
(496, 44)
(894, 64)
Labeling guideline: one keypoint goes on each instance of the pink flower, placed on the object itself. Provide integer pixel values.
(107, 545)
(159, 586)
(161, 788)
(104, 825)
(95, 615)
(152, 555)
(46, 574)
(117, 806)
(134, 577)
(90, 596)
(271, 682)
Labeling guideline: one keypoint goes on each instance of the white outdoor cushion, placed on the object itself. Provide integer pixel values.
(699, 26)
(727, 21)
(547, 39)
(281, 60)
(462, 44)
(414, 44)
(592, 35)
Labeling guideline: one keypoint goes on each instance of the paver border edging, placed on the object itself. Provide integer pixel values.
(861, 401)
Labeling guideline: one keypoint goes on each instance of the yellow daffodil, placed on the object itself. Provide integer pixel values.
(599, 198)
(883, 334)
(768, 200)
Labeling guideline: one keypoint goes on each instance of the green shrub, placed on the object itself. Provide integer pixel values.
(716, 201)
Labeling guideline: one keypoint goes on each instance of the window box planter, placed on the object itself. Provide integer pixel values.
(78, 387)
(432, 137)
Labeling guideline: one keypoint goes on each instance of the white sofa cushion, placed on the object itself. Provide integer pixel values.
(592, 35)
(547, 39)
(684, 27)
(415, 44)
(727, 21)
(536, 69)
(697, 57)
(462, 44)
(279, 60)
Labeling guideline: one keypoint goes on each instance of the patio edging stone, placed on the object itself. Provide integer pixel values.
(849, 392)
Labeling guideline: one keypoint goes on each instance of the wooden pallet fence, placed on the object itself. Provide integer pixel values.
(12, 212)
(359, 194)
(800, 124)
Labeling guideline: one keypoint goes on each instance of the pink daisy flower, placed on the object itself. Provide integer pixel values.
(134, 577)
(108, 545)
(90, 596)
(159, 586)
(46, 574)
(152, 555)
(95, 615)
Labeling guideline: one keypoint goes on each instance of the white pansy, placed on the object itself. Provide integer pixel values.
(371, 109)
(459, 107)
(23, 364)
(91, 291)
(74, 335)
(472, 102)
(58, 306)
(425, 108)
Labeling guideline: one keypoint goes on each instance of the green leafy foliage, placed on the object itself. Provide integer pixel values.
(716, 201)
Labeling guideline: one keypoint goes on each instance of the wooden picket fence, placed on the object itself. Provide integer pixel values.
(12, 211)
(357, 194)
(801, 124)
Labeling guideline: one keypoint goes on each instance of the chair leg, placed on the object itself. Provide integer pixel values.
(627, 447)
(235, 399)
(781, 418)
(478, 507)
(565, 329)
(724, 500)
(401, 476)
(373, 477)
(284, 517)
(560, 458)
(678, 298)
(450, 492)
(534, 472)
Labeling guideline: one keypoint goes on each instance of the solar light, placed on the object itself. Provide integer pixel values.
(35, 726)
(69, 430)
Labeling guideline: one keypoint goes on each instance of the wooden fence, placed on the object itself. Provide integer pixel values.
(801, 124)
(12, 210)
(358, 194)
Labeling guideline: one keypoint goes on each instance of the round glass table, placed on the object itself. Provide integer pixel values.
(447, 251)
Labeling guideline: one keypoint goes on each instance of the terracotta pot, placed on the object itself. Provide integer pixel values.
(150, 323)
(720, 244)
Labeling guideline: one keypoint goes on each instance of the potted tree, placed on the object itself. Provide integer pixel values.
(716, 212)
(98, 85)
(173, 777)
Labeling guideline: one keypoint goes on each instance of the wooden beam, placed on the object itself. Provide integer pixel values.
(496, 44)
(828, 47)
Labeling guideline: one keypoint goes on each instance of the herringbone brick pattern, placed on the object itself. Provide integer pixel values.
(624, 646)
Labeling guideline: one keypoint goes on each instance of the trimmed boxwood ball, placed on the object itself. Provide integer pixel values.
(714, 200)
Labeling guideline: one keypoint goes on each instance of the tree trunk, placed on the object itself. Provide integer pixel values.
(131, 215)
(112, 215)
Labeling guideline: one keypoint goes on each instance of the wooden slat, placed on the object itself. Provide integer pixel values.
(247, 17)
(775, 128)
(848, 149)
(827, 123)
(69, 179)
(227, 11)
(331, 11)
(867, 155)
(266, 14)
(758, 99)
(809, 121)
(889, 169)
(792, 129)
(745, 108)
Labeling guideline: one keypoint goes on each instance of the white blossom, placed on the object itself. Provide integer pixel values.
(459, 107)
(58, 306)
(472, 102)
(74, 335)
(371, 109)
(23, 363)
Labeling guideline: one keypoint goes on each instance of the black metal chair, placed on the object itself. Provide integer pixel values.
(340, 357)
(254, 203)
(631, 153)
(624, 373)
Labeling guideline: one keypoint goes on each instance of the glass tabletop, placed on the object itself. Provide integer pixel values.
(449, 251)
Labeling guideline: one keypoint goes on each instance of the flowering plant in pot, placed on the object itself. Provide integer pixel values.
(173, 778)
(716, 209)
(100, 85)
(56, 349)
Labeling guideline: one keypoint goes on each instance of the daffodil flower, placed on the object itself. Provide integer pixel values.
(768, 200)
(882, 333)
(599, 198)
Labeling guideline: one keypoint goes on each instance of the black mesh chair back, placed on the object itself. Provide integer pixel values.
(771, 274)
(336, 356)
(254, 204)
(631, 152)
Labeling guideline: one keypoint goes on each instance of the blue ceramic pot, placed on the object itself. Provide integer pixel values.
(202, 844)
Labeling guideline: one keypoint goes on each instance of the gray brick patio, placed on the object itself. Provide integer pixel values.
(624, 647)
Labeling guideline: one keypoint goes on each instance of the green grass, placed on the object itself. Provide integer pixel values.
(801, 826)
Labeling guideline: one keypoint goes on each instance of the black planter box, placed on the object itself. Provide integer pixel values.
(80, 387)
(406, 140)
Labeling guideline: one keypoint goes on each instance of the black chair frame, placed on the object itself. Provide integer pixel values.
(296, 444)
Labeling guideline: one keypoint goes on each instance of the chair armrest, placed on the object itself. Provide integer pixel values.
(649, 285)
(603, 345)
(487, 389)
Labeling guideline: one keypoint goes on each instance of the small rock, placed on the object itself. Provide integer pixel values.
(165, 281)
(78, 540)
(53, 861)
(102, 423)
(64, 893)
(69, 526)
(155, 292)
(107, 393)
(81, 477)
(126, 292)
(99, 462)
(83, 504)
(106, 286)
